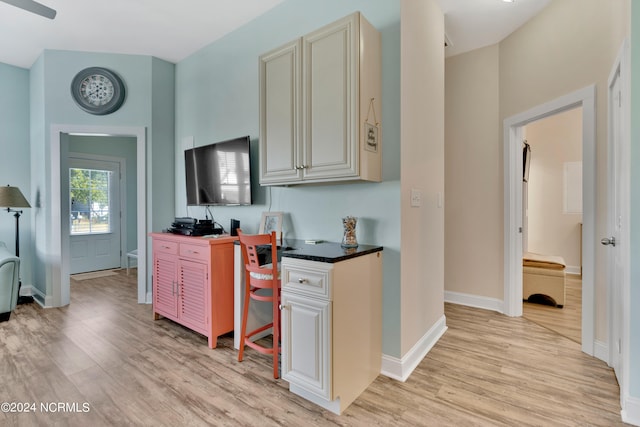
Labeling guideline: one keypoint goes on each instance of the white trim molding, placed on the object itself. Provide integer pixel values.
(401, 368)
(58, 245)
(630, 412)
(476, 301)
(512, 137)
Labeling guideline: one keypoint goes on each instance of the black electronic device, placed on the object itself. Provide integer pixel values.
(194, 227)
(185, 220)
(233, 227)
(219, 174)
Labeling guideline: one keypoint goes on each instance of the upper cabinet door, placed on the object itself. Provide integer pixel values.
(280, 104)
(330, 100)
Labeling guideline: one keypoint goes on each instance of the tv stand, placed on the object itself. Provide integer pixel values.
(193, 282)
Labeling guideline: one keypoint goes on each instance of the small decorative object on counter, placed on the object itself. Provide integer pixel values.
(349, 240)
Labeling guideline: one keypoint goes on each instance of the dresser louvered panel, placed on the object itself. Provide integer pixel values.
(194, 284)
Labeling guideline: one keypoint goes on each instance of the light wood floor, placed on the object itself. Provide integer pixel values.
(106, 351)
(567, 320)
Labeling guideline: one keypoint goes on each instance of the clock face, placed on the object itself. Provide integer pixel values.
(98, 90)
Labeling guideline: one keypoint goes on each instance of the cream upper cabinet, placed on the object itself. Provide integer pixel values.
(320, 106)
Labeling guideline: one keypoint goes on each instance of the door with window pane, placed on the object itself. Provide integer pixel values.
(94, 215)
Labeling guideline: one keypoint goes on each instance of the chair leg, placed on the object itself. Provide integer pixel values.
(245, 315)
(276, 332)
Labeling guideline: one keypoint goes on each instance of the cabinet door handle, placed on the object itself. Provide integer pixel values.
(282, 307)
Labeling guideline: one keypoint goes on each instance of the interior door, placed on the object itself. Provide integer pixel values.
(94, 206)
(615, 224)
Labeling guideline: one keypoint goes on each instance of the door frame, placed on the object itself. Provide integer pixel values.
(512, 137)
(122, 191)
(59, 252)
(622, 66)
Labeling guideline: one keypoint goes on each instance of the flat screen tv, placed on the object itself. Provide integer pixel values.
(219, 174)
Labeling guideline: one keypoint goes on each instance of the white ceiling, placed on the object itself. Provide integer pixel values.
(470, 24)
(173, 30)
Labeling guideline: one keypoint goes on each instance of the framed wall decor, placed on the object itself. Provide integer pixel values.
(271, 221)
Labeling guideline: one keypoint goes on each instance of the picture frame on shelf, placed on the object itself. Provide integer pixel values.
(271, 221)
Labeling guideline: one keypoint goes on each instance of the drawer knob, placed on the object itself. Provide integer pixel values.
(301, 280)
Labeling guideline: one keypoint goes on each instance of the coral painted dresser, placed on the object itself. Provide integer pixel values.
(193, 282)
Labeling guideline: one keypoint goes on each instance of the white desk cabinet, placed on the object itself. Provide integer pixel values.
(316, 93)
(331, 328)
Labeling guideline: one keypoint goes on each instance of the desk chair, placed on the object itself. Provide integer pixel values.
(262, 283)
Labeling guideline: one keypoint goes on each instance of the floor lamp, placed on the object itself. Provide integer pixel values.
(11, 197)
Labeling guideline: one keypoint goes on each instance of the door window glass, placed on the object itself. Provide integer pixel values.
(89, 201)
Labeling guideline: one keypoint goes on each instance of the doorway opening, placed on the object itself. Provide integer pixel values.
(59, 238)
(552, 223)
(513, 204)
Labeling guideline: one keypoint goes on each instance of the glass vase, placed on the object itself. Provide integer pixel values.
(349, 239)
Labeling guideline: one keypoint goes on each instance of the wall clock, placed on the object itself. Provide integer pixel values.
(98, 90)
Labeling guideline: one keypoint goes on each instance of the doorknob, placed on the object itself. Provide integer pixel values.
(608, 241)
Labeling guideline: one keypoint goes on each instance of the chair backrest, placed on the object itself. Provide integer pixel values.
(249, 244)
(9, 281)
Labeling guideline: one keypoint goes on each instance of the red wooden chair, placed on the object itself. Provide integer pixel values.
(262, 283)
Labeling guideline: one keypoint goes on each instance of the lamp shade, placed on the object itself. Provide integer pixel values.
(11, 197)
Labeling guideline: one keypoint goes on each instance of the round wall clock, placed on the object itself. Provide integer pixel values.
(98, 90)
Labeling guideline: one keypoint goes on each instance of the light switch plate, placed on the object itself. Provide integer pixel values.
(416, 198)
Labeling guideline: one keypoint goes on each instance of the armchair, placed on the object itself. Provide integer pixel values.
(9, 282)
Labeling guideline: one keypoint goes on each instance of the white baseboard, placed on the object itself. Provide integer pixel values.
(572, 269)
(601, 351)
(631, 412)
(39, 297)
(26, 290)
(401, 369)
(474, 301)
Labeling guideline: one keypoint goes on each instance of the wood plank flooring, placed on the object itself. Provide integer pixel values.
(567, 320)
(112, 365)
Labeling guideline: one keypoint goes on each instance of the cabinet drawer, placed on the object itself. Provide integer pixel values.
(165, 247)
(198, 252)
(307, 279)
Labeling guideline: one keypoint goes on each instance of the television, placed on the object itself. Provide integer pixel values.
(219, 174)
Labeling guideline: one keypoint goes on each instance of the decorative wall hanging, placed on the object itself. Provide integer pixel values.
(371, 130)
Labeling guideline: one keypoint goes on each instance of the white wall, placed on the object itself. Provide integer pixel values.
(422, 159)
(473, 174)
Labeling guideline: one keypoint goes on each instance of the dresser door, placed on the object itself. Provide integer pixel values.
(165, 286)
(194, 295)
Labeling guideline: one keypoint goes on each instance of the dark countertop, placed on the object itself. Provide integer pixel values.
(324, 252)
(329, 252)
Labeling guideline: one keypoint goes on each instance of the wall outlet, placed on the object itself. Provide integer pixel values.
(416, 198)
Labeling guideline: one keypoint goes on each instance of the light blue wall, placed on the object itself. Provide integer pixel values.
(149, 104)
(113, 146)
(14, 161)
(217, 98)
(634, 344)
